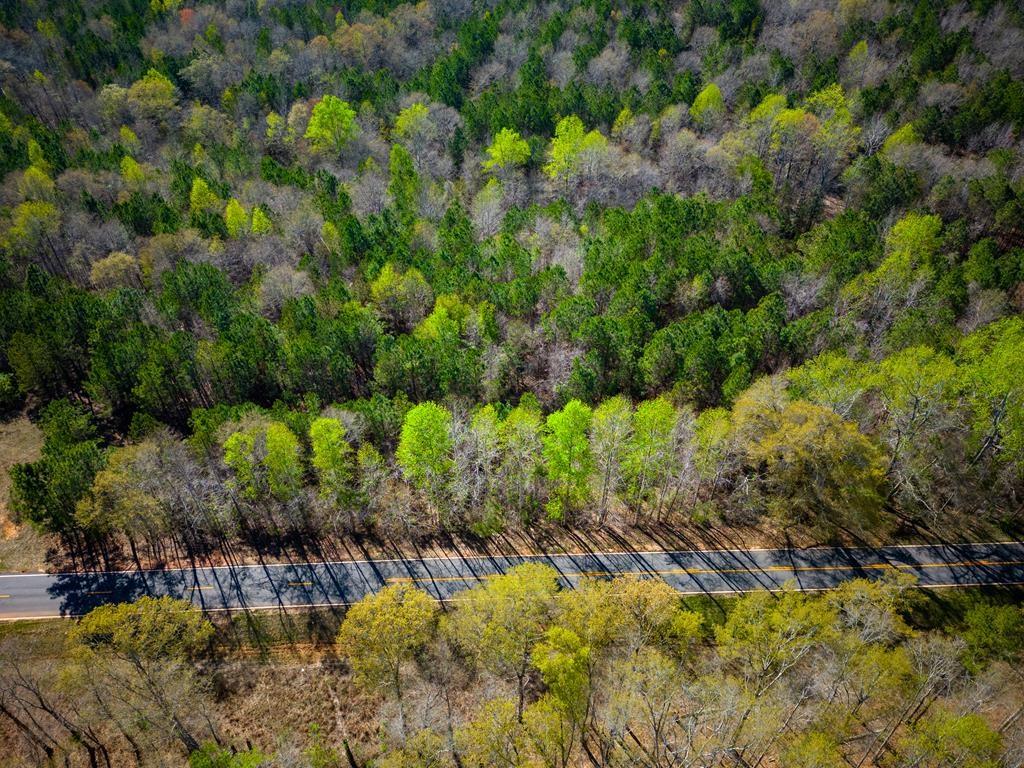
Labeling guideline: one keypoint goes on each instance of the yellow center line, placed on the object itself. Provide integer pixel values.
(4, 597)
(300, 583)
(409, 579)
(201, 586)
(752, 569)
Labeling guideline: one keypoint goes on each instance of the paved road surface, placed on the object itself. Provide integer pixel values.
(232, 588)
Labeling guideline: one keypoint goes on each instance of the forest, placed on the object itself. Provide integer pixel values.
(280, 276)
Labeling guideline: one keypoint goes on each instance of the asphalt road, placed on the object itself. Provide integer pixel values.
(254, 587)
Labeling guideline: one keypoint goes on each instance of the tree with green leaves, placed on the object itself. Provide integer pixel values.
(334, 461)
(383, 633)
(136, 660)
(989, 369)
(520, 446)
(610, 432)
(820, 470)
(708, 106)
(649, 453)
(568, 459)
(569, 145)
(499, 623)
(45, 493)
(266, 459)
(153, 97)
(509, 150)
(332, 125)
(235, 218)
(424, 451)
(404, 186)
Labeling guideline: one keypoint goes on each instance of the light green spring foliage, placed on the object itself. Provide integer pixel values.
(201, 198)
(277, 127)
(35, 184)
(711, 440)
(568, 459)
(31, 224)
(153, 95)
(649, 455)
(765, 632)
(916, 235)
(708, 105)
(821, 470)
(499, 622)
(813, 749)
(265, 459)
(128, 139)
(622, 122)
(989, 362)
(425, 446)
(492, 736)
(611, 429)
(412, 120)
(332, 458)
(570, 141)
(448, 318)
(520, 444)
(837, 131)
(857, 57)
(261, 223)
(282, 461)
(36, 156)
(385, 630)
(332, 125)
(212, 755)
(235, 218)
(563, 661)
(508, 150)
(910, 246)
(942, 738)
(831, 379)
(400, 297)
(151, 629)
(904, 136)
(132, 172)
(769, 108)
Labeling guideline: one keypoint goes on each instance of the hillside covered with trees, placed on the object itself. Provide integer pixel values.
(280, 273)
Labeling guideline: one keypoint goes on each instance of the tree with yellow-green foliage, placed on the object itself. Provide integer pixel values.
(708, 106)
(817, 468)
(153, 97)
(569, 144)
(568, 459)
(261, 223)
(266, 459)
(508, 150)
(235, 218)
(332, 125)
(135, 661)
(499, 623)
(383, 633)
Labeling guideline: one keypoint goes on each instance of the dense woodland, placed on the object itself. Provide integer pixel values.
(301, 270)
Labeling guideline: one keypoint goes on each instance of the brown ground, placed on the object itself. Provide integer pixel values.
(21, 548)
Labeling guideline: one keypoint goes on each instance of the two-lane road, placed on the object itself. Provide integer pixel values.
(693, 572)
